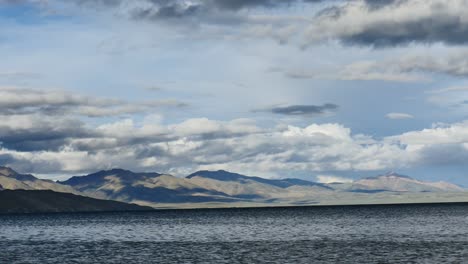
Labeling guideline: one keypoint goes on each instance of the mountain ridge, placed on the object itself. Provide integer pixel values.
(229, 188)
(223, 175)
(402, 183)
(10, 179)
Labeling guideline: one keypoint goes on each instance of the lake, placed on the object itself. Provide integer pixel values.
(341, 234)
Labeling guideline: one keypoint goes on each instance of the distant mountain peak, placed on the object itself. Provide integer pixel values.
(119, 171)
(115, 170)
(100, 176)
(393, 181)
(222, 175)
(395, 174)
(7, 171)
(10, 173)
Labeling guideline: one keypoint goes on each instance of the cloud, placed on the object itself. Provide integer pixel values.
(449, 89)
(50, 130)
(242, 146)
(399, 116)
(50, 120)
(239, 4)
(451, 97)
(302, 110)
(232, 5)
(200, 11)
(153, 88)
(222, 16)
(210, 128)
(440, 133)
(359, 71)
(397, 23)
(214, 18)
(414, 67)
(37, 132)
(452, 154)
(39, 144)
(126, 108)
(359, 22)
(332, 179)
(453, 63)
(15, 101)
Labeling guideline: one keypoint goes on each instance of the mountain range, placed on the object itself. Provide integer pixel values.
(12, 180)
(24, 193)
(226, 189)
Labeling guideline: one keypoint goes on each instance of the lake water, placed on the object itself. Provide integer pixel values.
(355, 234)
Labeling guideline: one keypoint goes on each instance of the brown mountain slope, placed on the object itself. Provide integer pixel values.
(12, 180)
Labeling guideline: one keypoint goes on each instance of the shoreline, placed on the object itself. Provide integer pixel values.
(321, 206)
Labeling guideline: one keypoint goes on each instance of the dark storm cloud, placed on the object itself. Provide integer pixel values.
(298, 110)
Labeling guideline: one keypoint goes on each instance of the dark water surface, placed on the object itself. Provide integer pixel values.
(357, 234)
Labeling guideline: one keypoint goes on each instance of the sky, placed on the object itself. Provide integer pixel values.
(311, 89)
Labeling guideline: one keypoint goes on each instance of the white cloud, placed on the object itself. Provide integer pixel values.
(397, 22)
(399, 116)
(456, 133)
(234, 144)
(37, 142)
(332, 179)
(238, 145)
